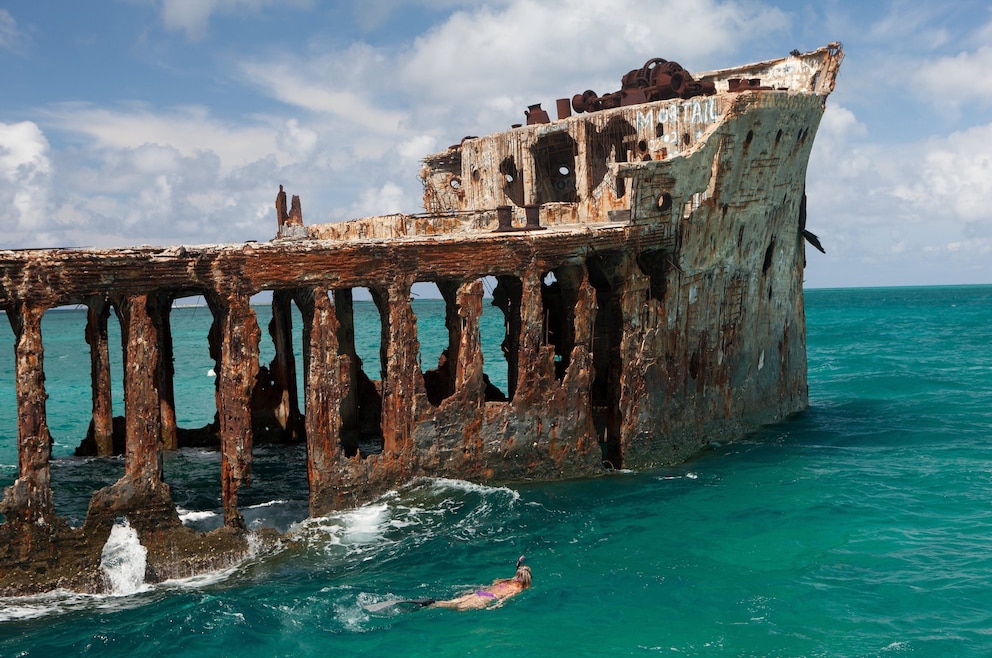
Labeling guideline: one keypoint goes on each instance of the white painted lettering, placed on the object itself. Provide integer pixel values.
(645, 121)
(697, 114)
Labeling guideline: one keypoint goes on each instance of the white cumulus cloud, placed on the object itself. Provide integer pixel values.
(900, 207)
(193, 16)
(955, 176)
(25, 177)
(10, 37)
(530, 46)
(959, 80)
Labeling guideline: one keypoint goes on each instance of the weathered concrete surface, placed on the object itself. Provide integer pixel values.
(652, 304)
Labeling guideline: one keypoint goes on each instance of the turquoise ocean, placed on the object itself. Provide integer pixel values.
(861, 527)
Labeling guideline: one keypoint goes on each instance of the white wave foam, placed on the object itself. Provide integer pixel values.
(255, 549)
(201, 580)
(354, 529)
(352, 617)
(191, 516)
(123, 560)
(414, 514)
(63, 601)
(365, 524)
(43, 605)
(268, 504)
(469, 487)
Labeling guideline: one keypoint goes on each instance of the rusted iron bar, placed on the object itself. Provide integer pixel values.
(283, 366)
(328, 385)
(29, 502)
(237, 372)
(403, 385)
(166, 372)
(142, 405)
(102, 423)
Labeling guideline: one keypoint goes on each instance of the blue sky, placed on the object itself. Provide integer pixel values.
(126, 122)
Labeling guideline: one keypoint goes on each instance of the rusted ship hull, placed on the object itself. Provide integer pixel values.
(648, 262)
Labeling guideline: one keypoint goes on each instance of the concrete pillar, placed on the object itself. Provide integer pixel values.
(344, 314)
(530, 368)
(141, 494)
(304, 301)
(453, 323)
(506, 296)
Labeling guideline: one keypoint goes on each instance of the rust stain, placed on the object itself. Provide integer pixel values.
(647, 256)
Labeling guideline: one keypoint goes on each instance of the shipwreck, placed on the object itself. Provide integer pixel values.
(647, 248)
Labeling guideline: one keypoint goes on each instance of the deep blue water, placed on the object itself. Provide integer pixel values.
(862, 527)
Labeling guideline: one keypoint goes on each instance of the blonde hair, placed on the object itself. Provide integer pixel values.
(523, 575)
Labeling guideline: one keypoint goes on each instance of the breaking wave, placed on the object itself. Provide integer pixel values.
(123, 560)
(409, 525)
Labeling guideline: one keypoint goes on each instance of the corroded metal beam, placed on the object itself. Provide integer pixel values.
(29, 502)
(648, 261)
(236, 376)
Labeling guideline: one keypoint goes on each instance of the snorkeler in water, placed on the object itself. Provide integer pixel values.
(494, 595)
(484, 597)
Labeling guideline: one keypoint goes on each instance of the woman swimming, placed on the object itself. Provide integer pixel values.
(494, 594)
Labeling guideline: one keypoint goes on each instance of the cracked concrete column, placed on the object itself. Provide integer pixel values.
(506, 297)
(344, 314)
(141, 495)
(236, 374)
